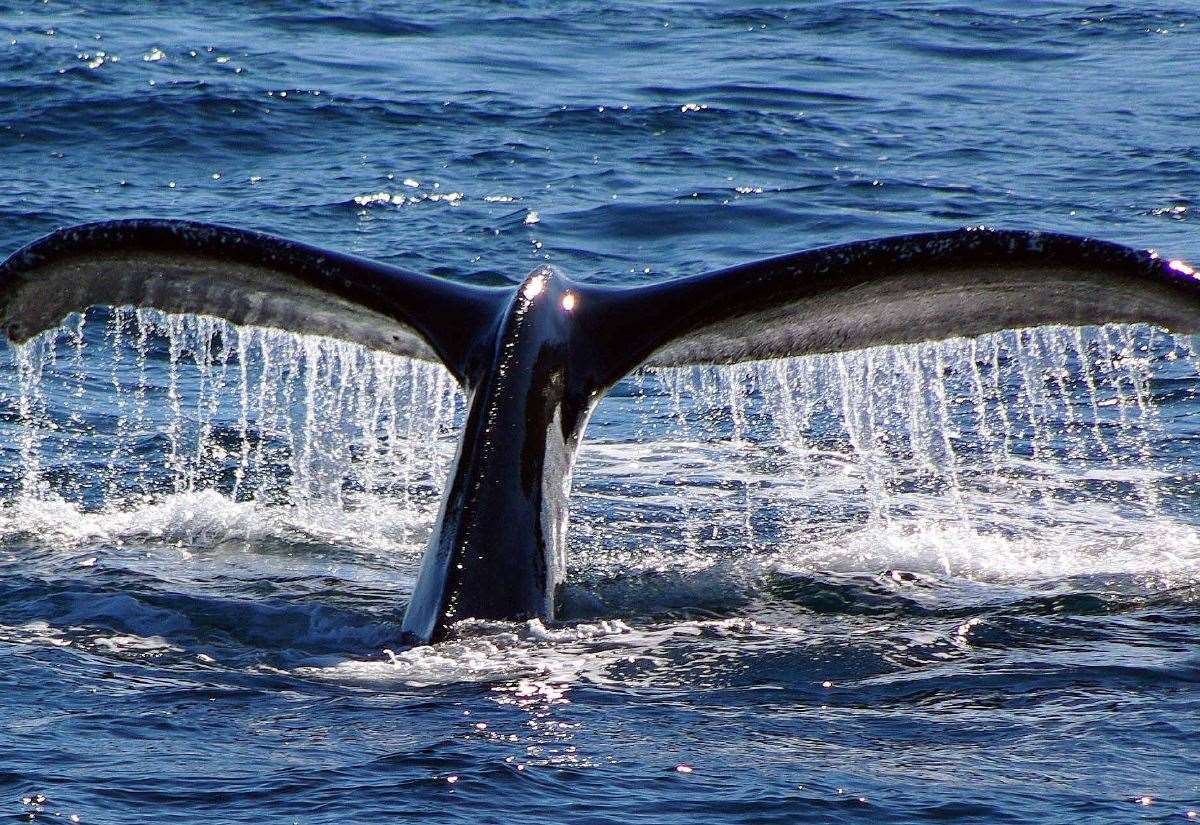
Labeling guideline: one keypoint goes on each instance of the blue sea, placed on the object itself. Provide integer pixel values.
(945, 582)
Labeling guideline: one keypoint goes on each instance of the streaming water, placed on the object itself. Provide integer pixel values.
(1051, 436)
(173, 405)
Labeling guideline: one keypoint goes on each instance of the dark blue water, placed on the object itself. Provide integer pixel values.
(854, 589)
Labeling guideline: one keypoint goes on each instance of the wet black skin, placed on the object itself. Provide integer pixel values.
(497, 550)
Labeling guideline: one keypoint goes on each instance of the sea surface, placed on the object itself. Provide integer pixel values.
(948, 582)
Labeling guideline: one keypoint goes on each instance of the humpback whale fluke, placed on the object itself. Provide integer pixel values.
(534, 359)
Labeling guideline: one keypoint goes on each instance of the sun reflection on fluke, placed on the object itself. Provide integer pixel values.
(1182, 266)
(534, 287)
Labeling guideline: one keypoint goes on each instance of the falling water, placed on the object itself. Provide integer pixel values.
(123, 407)
(1004, 435)
(1048, 437)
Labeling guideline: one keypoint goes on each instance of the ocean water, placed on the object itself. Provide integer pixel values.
(957, 581)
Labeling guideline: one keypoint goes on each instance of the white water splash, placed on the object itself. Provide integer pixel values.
(1035, 453)
(1025, 454)
(130, 407)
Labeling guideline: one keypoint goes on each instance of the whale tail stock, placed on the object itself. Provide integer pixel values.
(534, 359)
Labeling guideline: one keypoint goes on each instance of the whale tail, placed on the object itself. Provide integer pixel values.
(534, 359)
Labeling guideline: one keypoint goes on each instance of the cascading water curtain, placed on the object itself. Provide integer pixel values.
(119, 407)
(1004, 434)
(1063, 429)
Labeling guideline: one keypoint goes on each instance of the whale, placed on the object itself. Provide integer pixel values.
(535, 357)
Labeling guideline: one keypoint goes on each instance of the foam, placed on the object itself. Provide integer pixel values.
(192, 458)
(528, 660)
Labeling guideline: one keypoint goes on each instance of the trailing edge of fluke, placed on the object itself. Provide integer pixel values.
(533, 359)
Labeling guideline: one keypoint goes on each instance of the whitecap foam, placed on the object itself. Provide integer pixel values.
(542, 661)
(134, 645)
(1161, 548)
(208, 523)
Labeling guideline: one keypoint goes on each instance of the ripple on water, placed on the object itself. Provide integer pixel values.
(969, 593)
